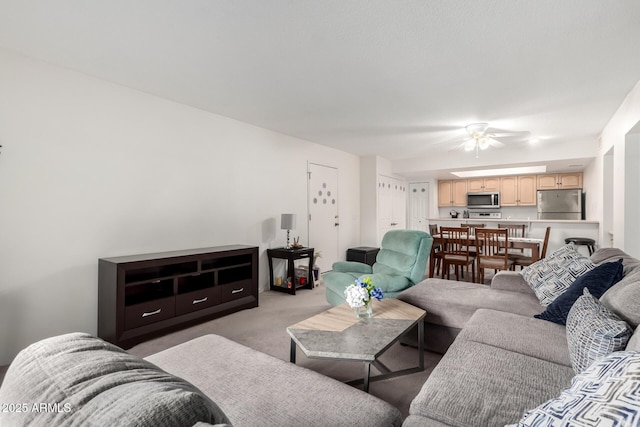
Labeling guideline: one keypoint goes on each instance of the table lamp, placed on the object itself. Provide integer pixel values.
(288, 222)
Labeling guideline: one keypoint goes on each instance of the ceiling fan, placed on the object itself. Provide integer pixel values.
(483, 137)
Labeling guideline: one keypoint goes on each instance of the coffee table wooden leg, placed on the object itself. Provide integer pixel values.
(292, 352)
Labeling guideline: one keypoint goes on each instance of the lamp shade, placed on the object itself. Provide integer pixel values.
(288, 221)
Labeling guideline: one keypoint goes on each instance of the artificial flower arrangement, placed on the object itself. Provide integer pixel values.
(360, 294)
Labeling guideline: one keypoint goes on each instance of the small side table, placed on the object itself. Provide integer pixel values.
(297, 281)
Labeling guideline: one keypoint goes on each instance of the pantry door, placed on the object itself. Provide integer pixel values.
(419, 206)
(324, 222)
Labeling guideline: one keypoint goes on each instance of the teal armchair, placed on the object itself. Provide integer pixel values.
(400, 264)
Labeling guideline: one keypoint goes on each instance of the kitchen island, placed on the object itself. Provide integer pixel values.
(535, 228)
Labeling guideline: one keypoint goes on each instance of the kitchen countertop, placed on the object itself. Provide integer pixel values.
(516, 220)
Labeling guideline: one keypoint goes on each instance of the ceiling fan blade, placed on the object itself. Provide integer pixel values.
(449, 141)
(457, 147)
(512, 139)
(505, 132)
(495, 143)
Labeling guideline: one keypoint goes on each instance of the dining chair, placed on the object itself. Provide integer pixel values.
(493, 250)
(472, 232)
(436, 251)
(472, 227)
(523, 260)
(455, 251)
(515, 230)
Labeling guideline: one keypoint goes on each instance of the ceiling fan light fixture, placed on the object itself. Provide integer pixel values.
(470, 145)
(483, 143)
(476, 130)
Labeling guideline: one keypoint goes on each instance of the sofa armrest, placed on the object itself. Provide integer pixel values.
(352, 267)
(510, 281)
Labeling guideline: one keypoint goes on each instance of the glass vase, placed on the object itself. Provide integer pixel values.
(364, 312)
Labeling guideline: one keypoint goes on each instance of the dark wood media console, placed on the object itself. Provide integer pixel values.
(141, 296)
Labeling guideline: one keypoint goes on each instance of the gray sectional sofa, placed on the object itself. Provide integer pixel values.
(209, 380)
(499, 360)
(499, 363)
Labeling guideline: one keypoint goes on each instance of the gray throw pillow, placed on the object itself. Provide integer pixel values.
(634, 341)
(624, 298)
(551, 276)
(593, 332)
(84, 380)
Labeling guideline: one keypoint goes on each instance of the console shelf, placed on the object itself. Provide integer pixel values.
(141, 296)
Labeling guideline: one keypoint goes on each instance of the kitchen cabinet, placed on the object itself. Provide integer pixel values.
(483, 184)
(452, 193)
(565, 181)
(518, 190)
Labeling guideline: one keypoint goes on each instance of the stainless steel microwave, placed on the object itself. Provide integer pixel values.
(483, 200)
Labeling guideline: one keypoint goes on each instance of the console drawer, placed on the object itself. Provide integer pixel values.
(197, 300)
(236, 290)
(149, 312)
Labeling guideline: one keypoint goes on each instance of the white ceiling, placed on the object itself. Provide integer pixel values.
(394, 78)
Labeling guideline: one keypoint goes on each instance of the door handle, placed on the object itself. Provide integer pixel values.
(336, 224)
(394, 223)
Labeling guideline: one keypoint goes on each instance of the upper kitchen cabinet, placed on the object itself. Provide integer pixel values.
(518, 190)
(557, 181)
(483, 184)
(452, 193)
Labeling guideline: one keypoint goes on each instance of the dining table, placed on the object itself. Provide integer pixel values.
(532, 244)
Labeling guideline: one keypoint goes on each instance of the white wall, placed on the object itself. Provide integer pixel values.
(617, 134)
(91, 169)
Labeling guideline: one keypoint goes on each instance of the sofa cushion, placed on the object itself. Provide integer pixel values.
(256, 389)
(593, 332)
(604, 394)
(551, 276)
(452, 303)
(603, 255)
(624, 298)
(634, 341)
(597, 281)
(477, 384)
(92, 382)
(520, 334)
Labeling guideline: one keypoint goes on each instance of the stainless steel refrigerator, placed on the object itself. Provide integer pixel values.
(560, 204)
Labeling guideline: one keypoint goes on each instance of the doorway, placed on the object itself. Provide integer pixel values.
(419, 206)
(324, 222)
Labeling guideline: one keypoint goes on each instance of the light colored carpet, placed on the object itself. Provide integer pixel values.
(264, 329)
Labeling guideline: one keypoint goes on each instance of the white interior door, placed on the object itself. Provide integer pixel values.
(392, 209)
(323, 213)
(399, 205)
(385, 206)
(419, 206)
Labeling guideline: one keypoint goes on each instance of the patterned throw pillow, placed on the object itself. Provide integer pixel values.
(606, 394)
(551, 276)
(593, 332)
(597, 281)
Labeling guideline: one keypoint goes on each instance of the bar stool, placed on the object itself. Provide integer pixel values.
(589, 243)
